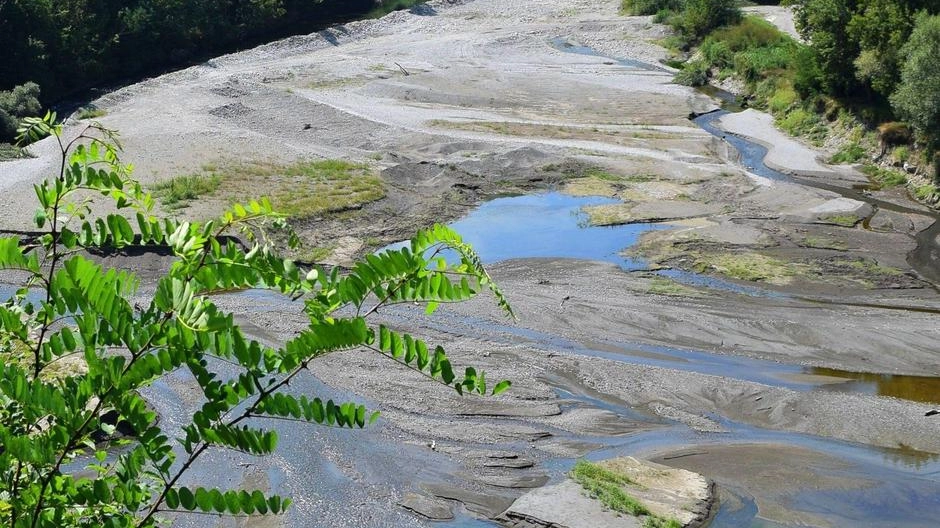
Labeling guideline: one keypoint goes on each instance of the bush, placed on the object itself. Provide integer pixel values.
(59, 459)
(801, 122)
(694, 73)
(20, 102)
(649, 7)
(782, 99)
(699, 17)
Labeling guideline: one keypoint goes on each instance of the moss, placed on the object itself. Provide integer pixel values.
(845, 220)
(824, 243)
(870, 267)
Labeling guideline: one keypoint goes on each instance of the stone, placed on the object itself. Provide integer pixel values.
(434, 509)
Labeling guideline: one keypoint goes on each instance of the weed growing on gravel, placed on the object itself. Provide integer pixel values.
(178, 191)
(91, 112)
(607, 487)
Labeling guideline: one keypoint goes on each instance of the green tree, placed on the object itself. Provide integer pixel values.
(69, 307)
(917, 99)
(824, 24)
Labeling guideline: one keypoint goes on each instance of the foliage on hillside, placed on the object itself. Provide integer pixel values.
(69, 46)
(78, 344)
(862, 63)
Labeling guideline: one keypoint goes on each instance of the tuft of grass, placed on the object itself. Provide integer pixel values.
(387, 6)
(607, 487)
(851, 152)
(783, 99)
(885, 177)
(178, 191)
(927, 192)
(91, 112)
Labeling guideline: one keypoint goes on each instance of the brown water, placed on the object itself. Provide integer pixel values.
(923, 389)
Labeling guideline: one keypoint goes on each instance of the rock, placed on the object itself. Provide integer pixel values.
(490, 506)
(523, 481)
(436, 510)
(512, 463)
(666, 492)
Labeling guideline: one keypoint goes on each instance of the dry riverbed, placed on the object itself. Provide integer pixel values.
(749, 374)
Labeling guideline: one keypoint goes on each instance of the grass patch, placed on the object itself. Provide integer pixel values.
(299, 190)
(885, 177)
(11, 152)
(607, 487)
(91, 112)
(847, 220)
(802, 122)
(824, 243)
(927, 192)
(751, 267)
(318, 253)
(610, 214)
(851, 152)
(665, 286)
(870, 267)
(178, 191)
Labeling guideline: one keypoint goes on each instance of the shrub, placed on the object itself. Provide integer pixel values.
(849, 153)
(649, 7)
(701, 16)
(782, 99)
(694, 73)
(51, 418)
(16, 104)
(801, 122)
